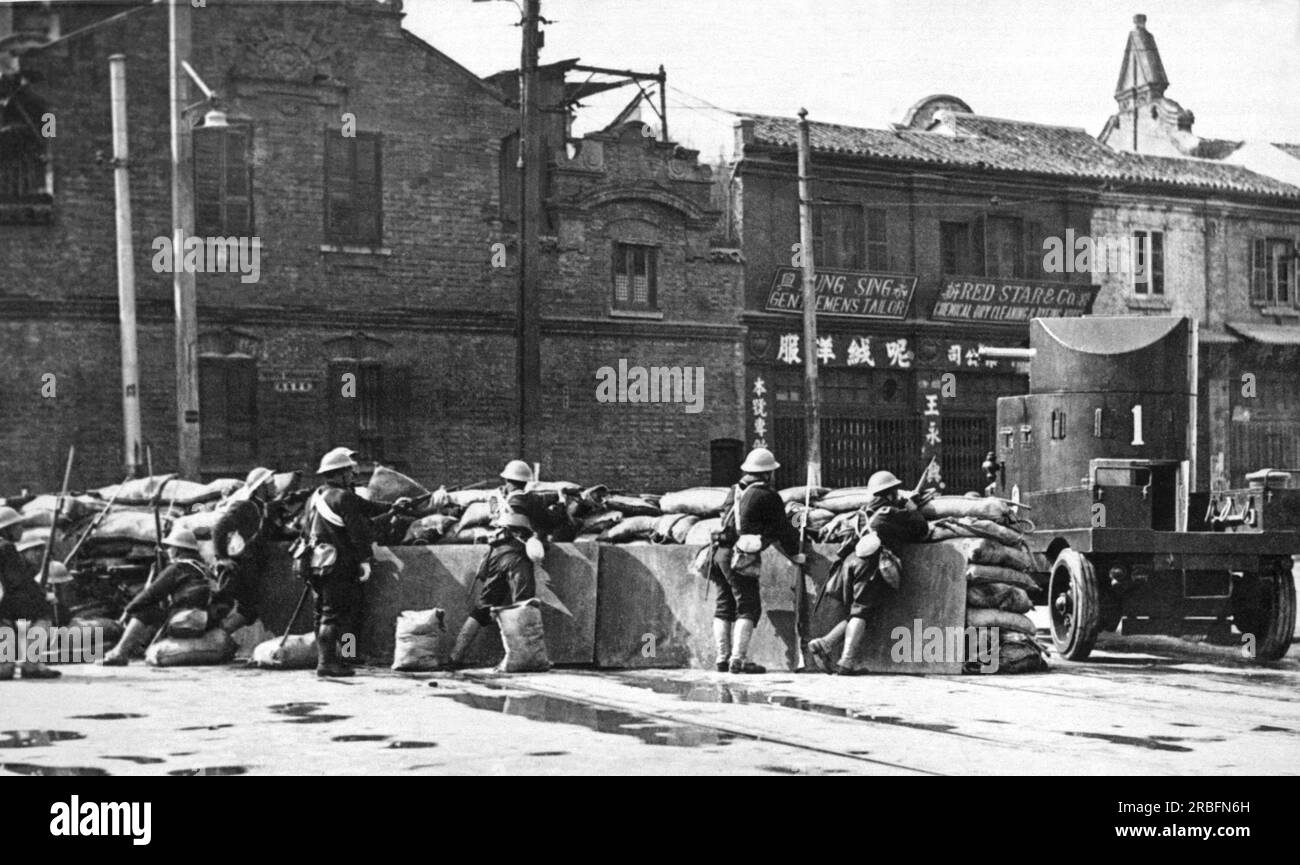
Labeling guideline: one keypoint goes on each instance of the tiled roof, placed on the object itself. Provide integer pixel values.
(977, 142)
(1293, 149)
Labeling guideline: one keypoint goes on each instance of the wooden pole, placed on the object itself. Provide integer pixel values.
(125, 270)
(183, 291)
(532, 157)
(811, 415)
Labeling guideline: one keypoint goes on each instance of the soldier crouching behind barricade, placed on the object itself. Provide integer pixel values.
(184, 586)
(505, 577)
(753, 518)
(866, 570)
(21, 597)
(240, 541)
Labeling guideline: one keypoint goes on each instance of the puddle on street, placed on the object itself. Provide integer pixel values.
(210, 770)
(547, 753)
(59, 771)
(35, 738)
(554, 710)
(130, 758)
(360, 737)
(1269, 728)
(203, 727)
(1154, 743)
(711, 692)
(403, 743)
(306, 713)
(108, 716)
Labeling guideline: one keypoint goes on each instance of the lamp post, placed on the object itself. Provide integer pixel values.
(183, 289)
(132, 447)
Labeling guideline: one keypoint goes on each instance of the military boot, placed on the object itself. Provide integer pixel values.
(327, 653)
(826, 649)
(742, 632)
(722, 644)
(464, 640)
(137, 634)
(849, 664)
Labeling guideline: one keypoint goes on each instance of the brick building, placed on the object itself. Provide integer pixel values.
(375, 173)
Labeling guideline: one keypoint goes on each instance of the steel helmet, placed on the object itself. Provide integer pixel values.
(509, 519)
(882, 482)
(339, 458)
(517, 470)
(181, 538)
(760, 460)
(258, 478)
(58, 574)
(31, 542)
(8, 517)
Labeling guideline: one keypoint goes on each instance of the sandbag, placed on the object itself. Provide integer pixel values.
(298, 653)
(523, 637)
(840, 527)
(388, 485)
(682, 528)
(200, 523)
(798, 494)
(476, 514)
(597, 523)
(986, 551)
(998, 574)
(224, 487)
(629, 529)
(972, 527)
(1003, 620)
(141, 491)
(699, 501)
(663, 530)
(214, 647)
(844, 499)
(562, 488)
(964, 506)
(418, 646)
(998, 596)
(702, 532)
(133, 525)
(465, 498)
(430, 529)
(285, 482)
(110, 630)
(476, 535)
(40, 510)
(1021, 656)
(632, 506)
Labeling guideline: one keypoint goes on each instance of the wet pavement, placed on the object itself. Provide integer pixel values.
(1148, 705)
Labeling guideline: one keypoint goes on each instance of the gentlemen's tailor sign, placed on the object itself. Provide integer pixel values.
(852, 294)
(975, 298)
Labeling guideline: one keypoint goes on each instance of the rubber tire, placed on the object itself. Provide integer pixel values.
(1278, 617)
(1077, 643)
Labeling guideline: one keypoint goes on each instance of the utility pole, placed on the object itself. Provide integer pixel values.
(532, 159)
(132, 448)
(183, 291)
(812, 422)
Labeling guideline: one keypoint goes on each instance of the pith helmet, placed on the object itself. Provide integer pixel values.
(517, 470)
(8, 517)
(509, 519)
(58, 574)
(760, 460)
(882, 482)
(257, 478)
(339, 458)
(182, 538)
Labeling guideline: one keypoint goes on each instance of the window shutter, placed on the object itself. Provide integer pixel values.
(238, 192)
(208, 170)
(396, 416)
(1158, 262)
(1259, 271)
(1034, 234)
(338, 192)
(621, 275)
(368, 203)
(241, 407)
(977, 247)
(213, 410)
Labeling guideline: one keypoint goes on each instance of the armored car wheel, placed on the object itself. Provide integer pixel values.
(1264, 607)
(1072, 598)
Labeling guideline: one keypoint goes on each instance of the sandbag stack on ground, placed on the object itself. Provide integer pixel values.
(998, 577)
(419, 643)
(296, 652)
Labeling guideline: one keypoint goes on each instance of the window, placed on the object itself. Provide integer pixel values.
(877, 240)
(353, 189)
(223, 182)
(1272, 273)
(370, 408)
(228, 409)
(838, 236)
(23, 157)
(1004, 247)
(634, 277)
(1148, 262)
(961, 248)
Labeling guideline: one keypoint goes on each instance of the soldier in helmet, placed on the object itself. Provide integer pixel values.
(21, 596)
(184, 584)
(857, 577)
(754, 518)
(240, 541)
(505, 577)
(334, 555)
(513, 495)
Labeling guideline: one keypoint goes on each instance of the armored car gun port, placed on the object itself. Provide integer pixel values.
(1102, 452)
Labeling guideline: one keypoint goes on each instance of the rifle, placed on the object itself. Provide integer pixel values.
(99, 518)
(54, 523)
(800, 585)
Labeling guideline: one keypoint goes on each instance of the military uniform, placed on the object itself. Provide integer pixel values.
(505, 577)
(244, 526)
(759, 511)
(344, 523)
(22, 597)
(182, 585)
